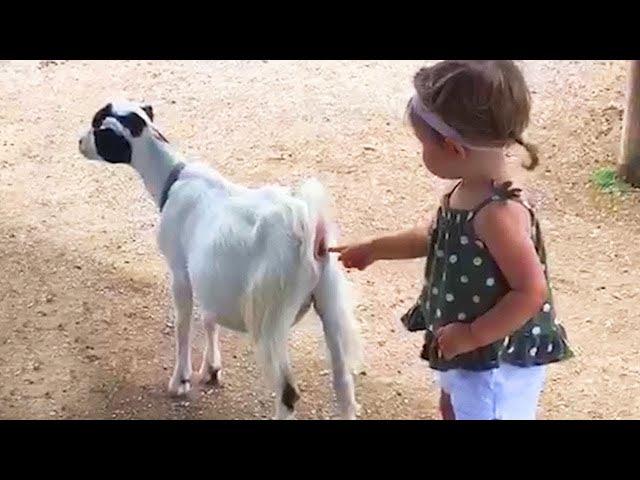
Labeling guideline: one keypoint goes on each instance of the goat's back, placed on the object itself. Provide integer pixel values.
(242, 245)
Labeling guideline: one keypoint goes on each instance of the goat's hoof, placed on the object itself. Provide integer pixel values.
(351, 412)
(179, 386)
(286, 415)
(210, 376)
(348, 416)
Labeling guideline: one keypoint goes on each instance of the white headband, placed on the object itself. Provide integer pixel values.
(434, 121)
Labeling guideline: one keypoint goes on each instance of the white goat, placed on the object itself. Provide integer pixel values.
(255, 259)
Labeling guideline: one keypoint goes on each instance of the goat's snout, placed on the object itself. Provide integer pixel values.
(86, 148)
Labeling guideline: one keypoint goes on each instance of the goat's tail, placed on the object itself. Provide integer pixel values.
(318, 203)
(333, 295)
(313, 193)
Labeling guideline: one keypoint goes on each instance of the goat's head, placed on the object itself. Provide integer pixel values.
(115, 129)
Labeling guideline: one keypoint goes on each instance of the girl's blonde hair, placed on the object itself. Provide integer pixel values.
(484, 100)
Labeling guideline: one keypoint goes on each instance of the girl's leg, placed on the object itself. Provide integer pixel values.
(472, 394)
(446, 409)
(505, 393)
(520, 391)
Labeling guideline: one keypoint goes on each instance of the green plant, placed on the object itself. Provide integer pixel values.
(606, 179)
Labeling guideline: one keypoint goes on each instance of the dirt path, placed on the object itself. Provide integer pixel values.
(83, 291)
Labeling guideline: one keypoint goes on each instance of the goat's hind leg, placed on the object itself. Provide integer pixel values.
(180, 383)
(273, 355)
(211, 361)
(333, 305)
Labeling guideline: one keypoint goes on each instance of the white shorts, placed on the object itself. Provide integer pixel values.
(504, 393)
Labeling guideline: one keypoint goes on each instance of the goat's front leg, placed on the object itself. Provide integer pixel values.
(180, 383)
(211, 361)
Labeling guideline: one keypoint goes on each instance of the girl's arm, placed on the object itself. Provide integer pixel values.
(412, 243)
(505, 230)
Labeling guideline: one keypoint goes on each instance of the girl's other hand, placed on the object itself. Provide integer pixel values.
(455, 339)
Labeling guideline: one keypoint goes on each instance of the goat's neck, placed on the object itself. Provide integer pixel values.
(153, 160)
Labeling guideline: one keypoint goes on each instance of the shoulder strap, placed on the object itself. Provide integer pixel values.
(505, 192)
(447, 196)
(502, 192)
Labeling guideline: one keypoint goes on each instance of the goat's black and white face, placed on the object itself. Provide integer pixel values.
(114, 129)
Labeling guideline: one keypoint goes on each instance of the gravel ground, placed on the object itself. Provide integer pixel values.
(84, 302)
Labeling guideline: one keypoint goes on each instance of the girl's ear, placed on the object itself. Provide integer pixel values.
(455, 149)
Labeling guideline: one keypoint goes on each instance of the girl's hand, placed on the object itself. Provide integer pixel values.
(455, 339)
(358, 255)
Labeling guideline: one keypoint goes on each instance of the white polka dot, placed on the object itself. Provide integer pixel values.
(434, 290)
(453, 258)
(511, 349)
(444, 275)
(479, 244)
(476, 299)
(438, 313)
(546, 308)
(439, 253)
(458, 218)
(464, 279)
(490, 282)
(449, 297)
(549, 347)
(536, 330)
(495, 197)
(427, 305)
(477, 261)
(469, 216)
(448, 215)
(533, 351)
(462, 316)
(464, 240)
(446, 236)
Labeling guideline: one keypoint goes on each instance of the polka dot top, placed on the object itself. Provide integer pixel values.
(462, 282)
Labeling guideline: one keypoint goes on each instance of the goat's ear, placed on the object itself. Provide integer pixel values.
(148, 109)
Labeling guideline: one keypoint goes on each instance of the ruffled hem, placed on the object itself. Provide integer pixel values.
(520, 351)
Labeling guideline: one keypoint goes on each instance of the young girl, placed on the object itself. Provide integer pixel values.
(486, 305)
